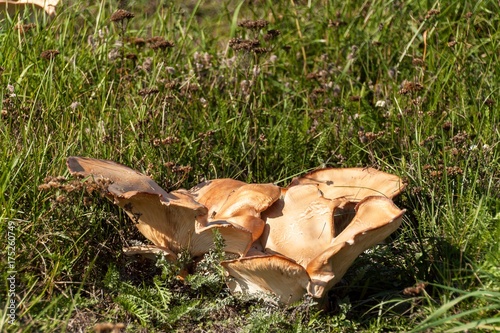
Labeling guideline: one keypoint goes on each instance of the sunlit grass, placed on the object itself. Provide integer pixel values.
(409, 87)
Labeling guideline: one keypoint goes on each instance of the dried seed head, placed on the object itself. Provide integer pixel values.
(49, 54)
(138, 41)
(238, 44)
(253, 25)
(148, 91)
(121, 15)
(159, 43)
(23, 28)
(418, 62)
(415, 291)
(447, 125)
(410, 87)
(454, 171)
(131, 56)
(271, 34)
(335, 24)
(260, 50)
(431, 13)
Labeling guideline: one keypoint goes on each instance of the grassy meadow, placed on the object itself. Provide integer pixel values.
(187, 91)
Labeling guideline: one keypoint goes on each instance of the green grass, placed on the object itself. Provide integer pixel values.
(387, 84)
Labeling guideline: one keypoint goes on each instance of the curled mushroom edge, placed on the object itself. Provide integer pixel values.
(291, 241)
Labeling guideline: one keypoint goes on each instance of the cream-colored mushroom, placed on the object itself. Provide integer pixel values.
(376, 218)
(11, 6)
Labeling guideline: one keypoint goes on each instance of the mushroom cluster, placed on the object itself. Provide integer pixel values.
(290, 241)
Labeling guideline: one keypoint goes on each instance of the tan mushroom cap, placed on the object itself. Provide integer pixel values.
(166, 219)
(267, 274)
(49, 6)
(376, 218)
(235, 202)
(300, 224)
(354, 184)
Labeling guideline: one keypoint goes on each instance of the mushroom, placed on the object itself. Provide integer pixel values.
(322, 222)
(49, 6)
(235, 202)
(291, 241)
(300, 255)
(175, 221)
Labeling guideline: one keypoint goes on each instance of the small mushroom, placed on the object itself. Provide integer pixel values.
(49, 6)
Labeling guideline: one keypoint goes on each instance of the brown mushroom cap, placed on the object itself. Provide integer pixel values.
(166, 219)
(267, 274)
(354, 184)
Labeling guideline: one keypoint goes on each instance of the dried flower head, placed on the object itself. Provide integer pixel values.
(159, 43)
(23, 28)
(260, 50)
(121, 15)
(138, 41)
(336, 23)
(418, 289)
(271, 34)
(447, 125)
(131, 56)
(253, 25)
(410, 87)
(431, 13)
(148, 91)
(418, 62)
(238, 44)
(49, 54)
